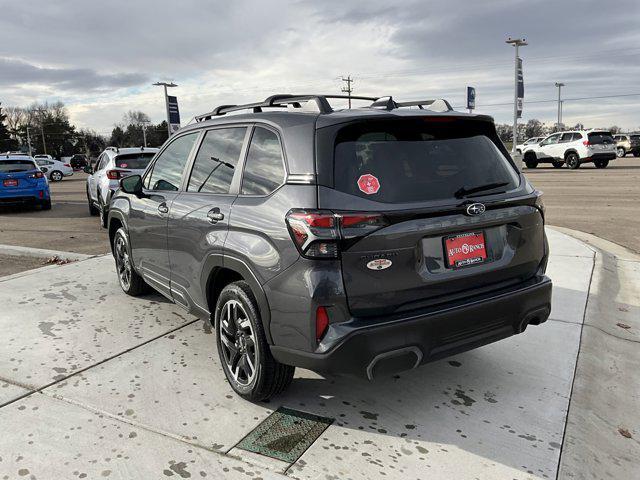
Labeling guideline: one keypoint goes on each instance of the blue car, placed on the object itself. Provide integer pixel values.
(22, 182)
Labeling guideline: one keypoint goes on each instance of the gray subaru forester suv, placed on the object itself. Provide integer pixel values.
(360, 241)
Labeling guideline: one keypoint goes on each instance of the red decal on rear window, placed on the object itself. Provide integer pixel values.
(368, 184)
(124, 165)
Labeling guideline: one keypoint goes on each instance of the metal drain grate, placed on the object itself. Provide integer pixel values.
(285, 434)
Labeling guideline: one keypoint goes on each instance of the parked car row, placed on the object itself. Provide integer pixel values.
(571, 148)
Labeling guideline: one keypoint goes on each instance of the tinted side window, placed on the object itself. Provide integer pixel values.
(168, 168)
(577, 136)
(264, 169)
(216, 161)
(566, 137)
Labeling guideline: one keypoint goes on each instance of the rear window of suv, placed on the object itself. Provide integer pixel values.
(14, 166)
(597, 138)
(134, 161)
(420, 161)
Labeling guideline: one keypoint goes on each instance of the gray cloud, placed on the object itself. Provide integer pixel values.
(16, 72)
(222, 52)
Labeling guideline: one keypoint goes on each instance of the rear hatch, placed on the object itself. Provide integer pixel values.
(133, 163)
(634, 140)
(601, 141)
(452, 217)
(17, 175)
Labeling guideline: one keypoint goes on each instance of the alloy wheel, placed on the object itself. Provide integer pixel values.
(56, 176)
(123, 263)
(238, 342)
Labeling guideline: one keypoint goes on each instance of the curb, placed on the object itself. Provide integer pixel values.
(17, 251)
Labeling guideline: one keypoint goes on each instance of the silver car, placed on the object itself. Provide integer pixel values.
(55, 170)
(104, 179)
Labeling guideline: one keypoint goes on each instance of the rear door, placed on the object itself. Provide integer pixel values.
(424, 176)
(199, 219)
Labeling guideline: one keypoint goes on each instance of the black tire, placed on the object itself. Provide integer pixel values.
(130, 282)
(572, 160)
(531, 163)
(46, 205)
(56, 176)
(237, 320)
(557, 164)
(620, 152)
(93, 211)
(103, 212)
(601, 163)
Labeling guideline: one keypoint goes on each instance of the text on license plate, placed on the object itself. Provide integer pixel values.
(10, 182)
(465, 249)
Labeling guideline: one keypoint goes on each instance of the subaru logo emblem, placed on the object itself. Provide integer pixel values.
(475, 209)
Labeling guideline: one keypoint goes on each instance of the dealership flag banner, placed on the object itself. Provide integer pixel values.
(520, 88)
(174, 113)
(471, 98)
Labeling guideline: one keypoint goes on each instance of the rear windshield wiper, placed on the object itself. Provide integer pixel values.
(465, 192)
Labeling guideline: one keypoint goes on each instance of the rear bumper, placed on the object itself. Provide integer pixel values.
(405, 343)
(599, 156)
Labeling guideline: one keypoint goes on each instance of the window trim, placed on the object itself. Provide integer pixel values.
(234, 186)
(166, 145)
(283, 159)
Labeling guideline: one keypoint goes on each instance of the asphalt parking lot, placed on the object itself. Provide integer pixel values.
(601, 202)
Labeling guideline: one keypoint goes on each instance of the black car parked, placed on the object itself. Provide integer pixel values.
(78, 161)
(363, 241)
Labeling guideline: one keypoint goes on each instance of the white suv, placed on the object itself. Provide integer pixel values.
(573, 148)
(104, 179)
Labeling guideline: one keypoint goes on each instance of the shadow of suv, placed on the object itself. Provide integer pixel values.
(363, 241)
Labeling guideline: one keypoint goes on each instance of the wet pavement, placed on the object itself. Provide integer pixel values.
(96, 384)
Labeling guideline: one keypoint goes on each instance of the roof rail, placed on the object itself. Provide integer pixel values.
(113, 149)
(322, 104)
(282, 100)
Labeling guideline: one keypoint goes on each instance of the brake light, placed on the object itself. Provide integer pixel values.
(322, 322)
(586, 143)
(37, 174)
(116, 174)
(67, 165)
(317, 233)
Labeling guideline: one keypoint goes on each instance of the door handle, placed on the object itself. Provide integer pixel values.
(162, 208)
(214, 215)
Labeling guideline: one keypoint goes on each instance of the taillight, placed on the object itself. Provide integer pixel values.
(67, 165)
(116, 174)
(36, 175)
(586, 143)
(317, 233)
(322, 322)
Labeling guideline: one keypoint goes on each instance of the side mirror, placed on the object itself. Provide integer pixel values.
(87, 169)
(132, 184)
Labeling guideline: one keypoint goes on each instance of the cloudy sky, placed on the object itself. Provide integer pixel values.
(100, 58)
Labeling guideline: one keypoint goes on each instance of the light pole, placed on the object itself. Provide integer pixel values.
(516, 42)
(559, 85)
(166, 100)
(44, 143)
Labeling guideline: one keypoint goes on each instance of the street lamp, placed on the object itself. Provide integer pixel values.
(559, 85)
(516, 42)
(166, 100)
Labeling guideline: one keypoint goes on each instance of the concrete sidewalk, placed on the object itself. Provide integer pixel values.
(97, 384)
